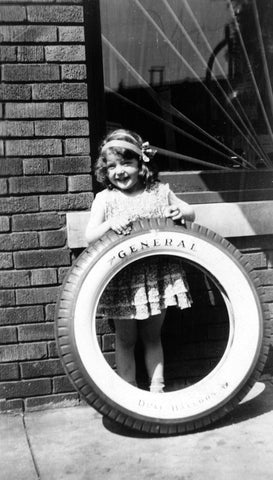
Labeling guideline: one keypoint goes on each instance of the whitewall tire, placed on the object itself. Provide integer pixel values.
(196, 405)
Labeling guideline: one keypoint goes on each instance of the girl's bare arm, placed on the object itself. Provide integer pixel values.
(97, 225)
(179, 210)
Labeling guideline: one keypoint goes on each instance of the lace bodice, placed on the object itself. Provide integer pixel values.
(148, 204)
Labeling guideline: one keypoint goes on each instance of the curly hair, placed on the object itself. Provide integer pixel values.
(148, 173)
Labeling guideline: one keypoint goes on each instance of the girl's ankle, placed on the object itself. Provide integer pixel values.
(157, 385)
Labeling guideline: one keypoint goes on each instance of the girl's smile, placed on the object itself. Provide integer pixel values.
(123, 173)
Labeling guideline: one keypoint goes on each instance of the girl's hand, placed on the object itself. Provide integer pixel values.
(120, 224)
(174, 212)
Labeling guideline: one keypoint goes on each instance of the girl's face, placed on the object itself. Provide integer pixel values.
(123, 172)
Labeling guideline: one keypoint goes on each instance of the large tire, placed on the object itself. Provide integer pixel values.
(189, 408)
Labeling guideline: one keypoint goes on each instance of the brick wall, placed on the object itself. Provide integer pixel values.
(259, 252)
(44, 172)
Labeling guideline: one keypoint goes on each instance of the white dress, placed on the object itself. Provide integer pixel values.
(145, 287)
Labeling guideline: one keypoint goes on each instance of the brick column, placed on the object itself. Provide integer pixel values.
(44, 172)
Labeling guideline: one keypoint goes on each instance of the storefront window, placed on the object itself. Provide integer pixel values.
(192, 77)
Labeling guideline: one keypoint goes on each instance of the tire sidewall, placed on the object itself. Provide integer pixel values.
(101, 262)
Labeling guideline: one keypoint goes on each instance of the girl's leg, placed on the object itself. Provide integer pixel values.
(150, 332)
(126, 337)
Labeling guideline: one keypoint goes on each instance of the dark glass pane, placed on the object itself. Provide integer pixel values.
(192, 77)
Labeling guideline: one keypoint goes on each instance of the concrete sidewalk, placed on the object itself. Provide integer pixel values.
(76, 443)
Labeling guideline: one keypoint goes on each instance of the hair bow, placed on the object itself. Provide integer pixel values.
(147, 152)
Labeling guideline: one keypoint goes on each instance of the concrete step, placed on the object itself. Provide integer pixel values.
(221, 186)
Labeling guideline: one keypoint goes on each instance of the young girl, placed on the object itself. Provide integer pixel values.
(137, 298)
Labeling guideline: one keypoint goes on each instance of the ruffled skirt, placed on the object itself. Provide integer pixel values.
(145, 288)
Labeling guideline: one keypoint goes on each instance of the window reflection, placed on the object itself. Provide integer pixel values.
(192, 77)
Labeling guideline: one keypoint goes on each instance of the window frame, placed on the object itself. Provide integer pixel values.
(97, 117)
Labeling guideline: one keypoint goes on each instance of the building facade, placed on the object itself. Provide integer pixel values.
(52, 114)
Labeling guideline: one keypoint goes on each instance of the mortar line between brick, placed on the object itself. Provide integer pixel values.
(36, 468)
